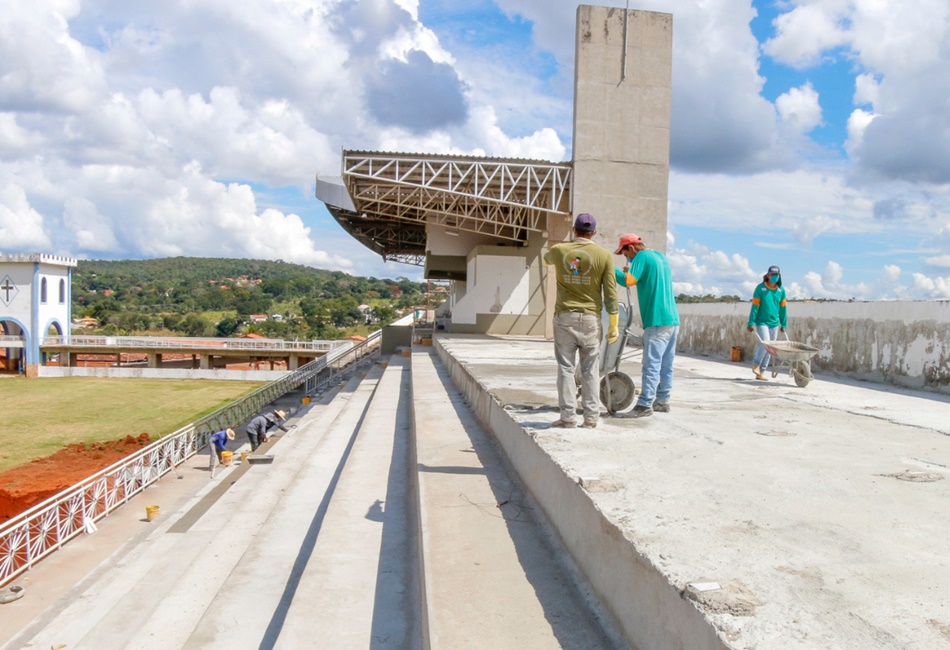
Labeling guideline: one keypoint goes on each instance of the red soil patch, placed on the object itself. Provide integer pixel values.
(23, 487)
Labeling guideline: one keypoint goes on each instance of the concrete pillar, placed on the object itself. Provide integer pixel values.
(293, 362)
(70, 358)
(205, 361)
(154, 360)
(622, 89)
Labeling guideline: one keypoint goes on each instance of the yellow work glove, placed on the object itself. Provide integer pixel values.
(613, 331)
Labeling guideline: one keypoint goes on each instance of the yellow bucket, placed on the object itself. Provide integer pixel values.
(227, 457)
(151, 512)
(243, 456)
(306, 400)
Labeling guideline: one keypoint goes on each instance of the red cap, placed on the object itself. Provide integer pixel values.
(626, 240)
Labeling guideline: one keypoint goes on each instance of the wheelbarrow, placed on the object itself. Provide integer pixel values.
(792, 355)
(617, 389)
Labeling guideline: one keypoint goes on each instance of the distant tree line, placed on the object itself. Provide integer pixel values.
(683, 298)
(216, 297)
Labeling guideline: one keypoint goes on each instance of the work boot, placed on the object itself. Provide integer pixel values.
(661, 407)
(640, 411)
(590, 424)
(563, 424)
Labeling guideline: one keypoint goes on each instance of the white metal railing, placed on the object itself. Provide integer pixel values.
(44, 528)
(187, 343)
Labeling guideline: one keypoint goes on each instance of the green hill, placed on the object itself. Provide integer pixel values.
(196, 296)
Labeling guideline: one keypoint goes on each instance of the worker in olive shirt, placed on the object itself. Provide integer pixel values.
(650, 271)
(585, 285)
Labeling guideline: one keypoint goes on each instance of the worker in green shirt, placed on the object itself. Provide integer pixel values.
(585, 286)
(766, 316)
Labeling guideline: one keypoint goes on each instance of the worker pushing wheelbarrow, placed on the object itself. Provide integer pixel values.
(792, 355)
(617, 389)
(767, 315)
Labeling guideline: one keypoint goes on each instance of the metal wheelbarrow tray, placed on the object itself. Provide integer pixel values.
(792, 355)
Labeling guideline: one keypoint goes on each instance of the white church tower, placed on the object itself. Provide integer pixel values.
(35, 299)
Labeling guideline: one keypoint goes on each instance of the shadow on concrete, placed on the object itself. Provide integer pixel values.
(450, 469)
(541, 560)
(279, 617)
(397, 603)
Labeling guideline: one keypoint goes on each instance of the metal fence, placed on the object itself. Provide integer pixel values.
(188, 343)
(43, 529)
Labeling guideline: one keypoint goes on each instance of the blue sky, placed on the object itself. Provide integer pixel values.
(812, 134)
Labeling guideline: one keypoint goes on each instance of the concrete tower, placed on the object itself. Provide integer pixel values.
(622, 89)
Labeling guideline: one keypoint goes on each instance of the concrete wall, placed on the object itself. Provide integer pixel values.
(503, 292)
(395, 336)
(901, 343)
(648, 611)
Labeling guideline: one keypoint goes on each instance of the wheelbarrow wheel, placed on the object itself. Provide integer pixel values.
(801, 371)
(622, 391)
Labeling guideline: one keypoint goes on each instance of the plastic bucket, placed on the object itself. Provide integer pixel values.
(737, 353)
(151, 512)
(243, 456)
(306, 400)
(227, 457)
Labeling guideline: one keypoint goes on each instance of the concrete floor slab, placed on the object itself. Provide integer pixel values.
(819, 512)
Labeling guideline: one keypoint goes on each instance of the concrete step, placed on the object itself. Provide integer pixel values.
(387, 519)
(493, 577)
(156, 594)
(267, 575)
(359, 588)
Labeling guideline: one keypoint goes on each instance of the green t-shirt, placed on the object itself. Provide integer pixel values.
(585, 277)
(768, 307)
(654, 281)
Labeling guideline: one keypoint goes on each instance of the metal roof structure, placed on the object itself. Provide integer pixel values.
(385, 200)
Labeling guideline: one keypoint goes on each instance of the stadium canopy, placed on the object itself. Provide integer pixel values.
(386, 200)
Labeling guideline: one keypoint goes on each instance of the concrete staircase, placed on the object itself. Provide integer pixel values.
(387, 520)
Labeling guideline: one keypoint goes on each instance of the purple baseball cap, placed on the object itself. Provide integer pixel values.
(585, 223)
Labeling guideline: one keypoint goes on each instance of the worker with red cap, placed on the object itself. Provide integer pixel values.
(649, 270)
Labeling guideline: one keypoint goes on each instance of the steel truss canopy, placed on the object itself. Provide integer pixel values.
(385, 200)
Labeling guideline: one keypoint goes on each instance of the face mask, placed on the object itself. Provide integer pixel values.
(774, 279)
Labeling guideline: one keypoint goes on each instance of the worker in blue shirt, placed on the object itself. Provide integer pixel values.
(217, 443)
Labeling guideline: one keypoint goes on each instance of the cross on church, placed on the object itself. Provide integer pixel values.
(6, 288)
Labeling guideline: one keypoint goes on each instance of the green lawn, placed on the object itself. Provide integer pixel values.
(40, 416)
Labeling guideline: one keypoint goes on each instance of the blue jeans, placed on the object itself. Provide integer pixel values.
(577, 334)
(761, 357)
(659, 349)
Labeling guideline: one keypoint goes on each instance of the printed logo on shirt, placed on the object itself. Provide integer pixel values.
(577, 267)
